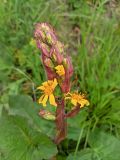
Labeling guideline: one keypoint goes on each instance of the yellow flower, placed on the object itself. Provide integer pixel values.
(77, 98)
(47, 89)
(60, 70)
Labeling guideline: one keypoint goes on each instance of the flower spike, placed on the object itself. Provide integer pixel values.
(59, 70)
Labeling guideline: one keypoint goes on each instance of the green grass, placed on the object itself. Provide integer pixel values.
(90, 31)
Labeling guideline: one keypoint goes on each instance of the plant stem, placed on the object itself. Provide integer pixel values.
(61, 124)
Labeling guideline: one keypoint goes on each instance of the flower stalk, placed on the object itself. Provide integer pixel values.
(59, 70)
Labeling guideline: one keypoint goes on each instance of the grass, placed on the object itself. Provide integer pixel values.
(90, 31)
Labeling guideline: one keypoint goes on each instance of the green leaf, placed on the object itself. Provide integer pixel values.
(86, 154)
(6, 59)
(75, 124)
(1, 107)
(24, 106)
(105, 145)
(20, 141)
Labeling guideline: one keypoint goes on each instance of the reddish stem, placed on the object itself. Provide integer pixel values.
(73, 112)
(61, 123)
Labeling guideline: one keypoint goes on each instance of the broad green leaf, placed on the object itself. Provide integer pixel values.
(86, 154)
(77, 120)
(24, 106)
(75, 125)
(105, 145)
(20, 141)
(73, 133)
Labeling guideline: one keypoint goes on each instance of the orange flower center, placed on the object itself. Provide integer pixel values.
(48, 90)
(76, 97)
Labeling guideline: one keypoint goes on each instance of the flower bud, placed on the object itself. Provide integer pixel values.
(58, 58)
(45, 33)
(48, 63)
(60, 47)
(65, 85)
(46, 115)
(52, 52)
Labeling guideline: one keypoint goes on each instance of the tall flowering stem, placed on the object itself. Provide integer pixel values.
(59, 71)
(61, 123)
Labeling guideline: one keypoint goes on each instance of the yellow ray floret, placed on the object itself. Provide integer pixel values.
(60, 70)
(77, 99)
(47, 89)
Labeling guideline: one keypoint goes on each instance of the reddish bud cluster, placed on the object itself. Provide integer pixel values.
(52, 55)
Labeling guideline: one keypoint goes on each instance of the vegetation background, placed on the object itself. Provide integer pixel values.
(90, 30)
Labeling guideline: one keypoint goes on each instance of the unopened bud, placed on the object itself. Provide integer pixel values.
(60, 46)
(46, 115)
(45, 33)
(65, 61)
(54, 57)
(45, 49)
(48, 63)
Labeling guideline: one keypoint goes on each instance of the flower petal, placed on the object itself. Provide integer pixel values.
(41, 87)
(68, 94)
(74, 101)
(83, 102)
(67, 98)
(40, 99)
(45, 100)
(52, 100)
(45, 84)
(57, 67)
(50, 82)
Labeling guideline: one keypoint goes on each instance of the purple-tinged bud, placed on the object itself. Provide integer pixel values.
(60, 47)
(69, 67)
(44, 48)
(57, 56)
(48, 67)
(46, 115)
(66, 85)
(48, 63)
(54, 50)
(45, 33)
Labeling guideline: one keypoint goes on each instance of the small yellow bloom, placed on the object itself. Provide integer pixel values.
(47, 89)
(77, 98)
(60, 70)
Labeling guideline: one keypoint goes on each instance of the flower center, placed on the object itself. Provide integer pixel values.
(48, 90)
(76, 97)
